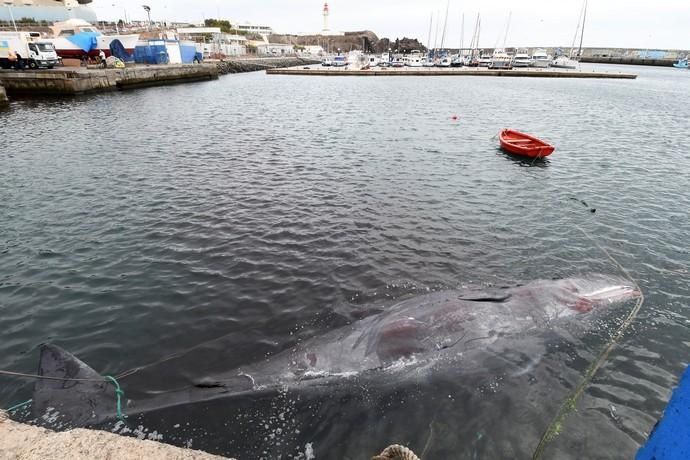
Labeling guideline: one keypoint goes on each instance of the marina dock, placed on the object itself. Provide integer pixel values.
(67, 81)
(461, 71)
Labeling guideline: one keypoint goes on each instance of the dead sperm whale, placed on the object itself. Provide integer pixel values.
(425, 330)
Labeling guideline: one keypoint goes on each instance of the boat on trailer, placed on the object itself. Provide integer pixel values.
(524, 145)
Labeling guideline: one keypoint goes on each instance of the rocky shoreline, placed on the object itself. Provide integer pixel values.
(253, 65)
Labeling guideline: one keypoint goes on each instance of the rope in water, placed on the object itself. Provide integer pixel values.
(20, 405)
(119, 393)
(568, 405)
(396, 452)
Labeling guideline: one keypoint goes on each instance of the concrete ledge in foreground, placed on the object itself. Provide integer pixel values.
(539, 73)
(70, 81)
(25, 442)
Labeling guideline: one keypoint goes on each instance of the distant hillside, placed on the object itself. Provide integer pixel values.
(366, 41)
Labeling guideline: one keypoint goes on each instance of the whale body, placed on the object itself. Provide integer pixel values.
(446, 328)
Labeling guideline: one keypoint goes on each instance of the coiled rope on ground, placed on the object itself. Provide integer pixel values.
(396, 452)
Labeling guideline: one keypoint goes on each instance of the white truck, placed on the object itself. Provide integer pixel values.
(29, 50)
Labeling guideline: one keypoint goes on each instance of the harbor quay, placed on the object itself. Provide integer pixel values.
(461, 71)
(71, 81)
(66, 81)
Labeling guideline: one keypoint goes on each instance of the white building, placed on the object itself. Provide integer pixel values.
(259, 29)
(274, 49)
(313, 50)
(219, 45)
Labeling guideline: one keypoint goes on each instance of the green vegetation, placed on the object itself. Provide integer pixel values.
(224, 26)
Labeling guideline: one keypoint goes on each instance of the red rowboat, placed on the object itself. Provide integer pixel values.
(523, 144)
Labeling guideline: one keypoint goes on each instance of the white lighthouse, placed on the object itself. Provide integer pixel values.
(325, 17)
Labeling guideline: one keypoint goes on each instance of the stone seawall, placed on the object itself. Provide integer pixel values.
(240, 65)
(3, 97)
(71, 81)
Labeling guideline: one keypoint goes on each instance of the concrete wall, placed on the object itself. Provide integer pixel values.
(3, 97)
(19, 441)
(59, 82)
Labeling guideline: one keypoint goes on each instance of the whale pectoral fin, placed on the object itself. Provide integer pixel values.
(74, 394)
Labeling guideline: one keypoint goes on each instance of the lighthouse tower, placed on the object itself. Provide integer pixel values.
(325, 17)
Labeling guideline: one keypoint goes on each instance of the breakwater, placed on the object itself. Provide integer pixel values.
(628, 61)
(253, 65)
(430, 72)
(71, 81)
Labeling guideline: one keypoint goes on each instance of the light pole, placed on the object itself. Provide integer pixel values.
(8, 4)
(148, 12)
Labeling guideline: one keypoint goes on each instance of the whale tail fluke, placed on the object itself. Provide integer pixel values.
(70, 393)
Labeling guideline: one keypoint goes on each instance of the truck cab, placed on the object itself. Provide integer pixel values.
(26, 49)
(42, 54)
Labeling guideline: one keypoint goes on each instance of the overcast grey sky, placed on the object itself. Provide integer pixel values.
(614, 23)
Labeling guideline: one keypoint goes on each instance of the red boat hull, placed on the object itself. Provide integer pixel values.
(523, 144)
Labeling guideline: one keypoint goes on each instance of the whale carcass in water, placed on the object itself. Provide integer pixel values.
(440, 327)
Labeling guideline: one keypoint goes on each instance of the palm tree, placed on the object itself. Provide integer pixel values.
(148, 12)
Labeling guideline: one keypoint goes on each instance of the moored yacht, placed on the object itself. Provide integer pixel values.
(501, 60)
(444, 62)
(372, 60)
(415, 59)
(681, 64)
(484, 60)
(522, 60)
(564, 62)
(540, 59)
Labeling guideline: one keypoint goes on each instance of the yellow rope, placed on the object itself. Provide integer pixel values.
(396, 452)
(568, 405)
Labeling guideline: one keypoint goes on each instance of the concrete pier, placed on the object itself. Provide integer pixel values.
(3, 98)
(25, 442)
(462, 71)
(71, 81)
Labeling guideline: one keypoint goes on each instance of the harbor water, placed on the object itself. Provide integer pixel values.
(228, 220)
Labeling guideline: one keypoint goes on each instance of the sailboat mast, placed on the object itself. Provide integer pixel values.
(462, 35)
(445, 24)
(582, 34)
(479, 29)
(438, 22)
(428, 42)
(577, 29)
(505, 37)
(475, 37)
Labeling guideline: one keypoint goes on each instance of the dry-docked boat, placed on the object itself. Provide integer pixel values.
(76, 38)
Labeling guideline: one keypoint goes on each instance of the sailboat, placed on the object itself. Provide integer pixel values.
(445, 58)
(567, 62)
(471, 60)
(500, 59)
(459, 60)
(429, 59)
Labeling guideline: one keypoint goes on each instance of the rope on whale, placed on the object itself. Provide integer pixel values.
(554, 428)
(119, 393)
